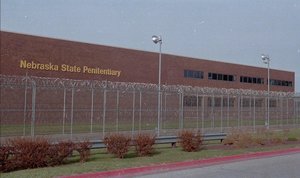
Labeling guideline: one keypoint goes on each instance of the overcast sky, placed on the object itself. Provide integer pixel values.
(235, 31)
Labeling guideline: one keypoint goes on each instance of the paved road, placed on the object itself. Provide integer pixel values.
(286, 166)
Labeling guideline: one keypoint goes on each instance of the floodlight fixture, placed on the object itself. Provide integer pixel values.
(156, 39)
(265, 58)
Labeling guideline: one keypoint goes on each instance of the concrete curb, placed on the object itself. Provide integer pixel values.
(127, 172)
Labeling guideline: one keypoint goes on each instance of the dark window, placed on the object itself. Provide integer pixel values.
(257, 80)
(193, 74)
(254, 80)
(273, 82)
(281, 83)
(224, 77)
(249, 79)
(214, 76)
(286, 83)
(220, 77)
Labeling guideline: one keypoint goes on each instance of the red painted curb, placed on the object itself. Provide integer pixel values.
(182, 165)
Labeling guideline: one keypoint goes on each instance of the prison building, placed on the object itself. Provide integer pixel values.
(47, 57)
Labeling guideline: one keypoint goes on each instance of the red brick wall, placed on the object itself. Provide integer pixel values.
(175, 66)
(135, 66)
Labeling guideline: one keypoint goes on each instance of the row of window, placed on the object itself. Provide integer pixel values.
(211, 76)
(193, 74)
(217, 102)
(257, 80)
(281, 83)
(226, 77)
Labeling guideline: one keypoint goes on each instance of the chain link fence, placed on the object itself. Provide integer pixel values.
(84, 109)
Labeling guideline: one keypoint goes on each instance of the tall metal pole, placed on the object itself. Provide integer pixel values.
(268, 113)
(266, 60)
(159, 90)
(158, 39)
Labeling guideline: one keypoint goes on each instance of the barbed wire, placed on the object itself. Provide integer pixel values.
(47, 82)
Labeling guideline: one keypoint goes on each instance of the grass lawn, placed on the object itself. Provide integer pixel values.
(7, 130)
(102, 161)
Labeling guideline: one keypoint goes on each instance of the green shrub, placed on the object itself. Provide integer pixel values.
(117, 144)
(190, 141)
(144, 144)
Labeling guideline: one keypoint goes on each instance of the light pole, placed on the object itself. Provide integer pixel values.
(266, 60)
(158, 39)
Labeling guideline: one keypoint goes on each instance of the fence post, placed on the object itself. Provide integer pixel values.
(254, 114)
(72, 112)
(266, 111)
(287, 111)
(118, 100)
(241, 110)
(277, 111)
(281, 112)
(181, 110)
(213, 112)
(294, 112)
(197, 110)
(104, 110)
(25, 106)
(92, 110)
(140, 113)
(133, 113)
(164, 119)
(250, 110)
(33, 108)
(228, 104)
(298, 111)
(238, 110)
(64, 111)
(221, 113)
(202, 114)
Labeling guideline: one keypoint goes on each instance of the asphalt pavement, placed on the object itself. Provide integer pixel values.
(284, 166)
